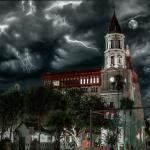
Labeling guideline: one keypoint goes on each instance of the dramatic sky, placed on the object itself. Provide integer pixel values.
(41, 36)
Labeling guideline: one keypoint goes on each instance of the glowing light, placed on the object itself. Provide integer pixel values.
(10, 19)
(133, 24)
(32, 8)
(25, 59)
(16, 35)
(30, 4)
(3, 28)
(59, 21)
(26, 62)
(47, 17)
(85, 44)
(22, 4)
(62, 52)
(61, 4)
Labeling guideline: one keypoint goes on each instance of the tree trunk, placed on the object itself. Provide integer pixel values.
(11, 128)
(2, 133)
(57, 145)
(3, 127)
(39, 129)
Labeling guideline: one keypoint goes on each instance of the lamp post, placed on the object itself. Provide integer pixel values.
(118, 81)
(91, 129)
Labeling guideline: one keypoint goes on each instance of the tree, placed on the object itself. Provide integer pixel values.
(79, 106)
(11, 110)
(38, 103)
(59, 116)
(3, 115)
(15, 100)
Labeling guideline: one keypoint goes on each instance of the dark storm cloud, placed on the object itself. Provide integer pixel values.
(41, 27)
(138, 40)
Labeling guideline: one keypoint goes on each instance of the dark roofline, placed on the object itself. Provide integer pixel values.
(72, 72)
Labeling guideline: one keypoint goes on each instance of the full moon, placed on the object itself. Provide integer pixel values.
(133, 24)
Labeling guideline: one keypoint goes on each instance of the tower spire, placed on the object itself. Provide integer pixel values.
(114, 26)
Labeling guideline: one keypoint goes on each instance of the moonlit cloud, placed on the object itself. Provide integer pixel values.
(3, 28)
(59, 21)
(10, 19)
(11, 65)
(61, 4)
(130, 8)
(29, 7)
(17, 35)
(73, 52)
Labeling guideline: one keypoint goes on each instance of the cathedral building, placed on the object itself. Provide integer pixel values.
(116, 81)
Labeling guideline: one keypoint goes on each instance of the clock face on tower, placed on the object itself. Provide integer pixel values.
(112, 79)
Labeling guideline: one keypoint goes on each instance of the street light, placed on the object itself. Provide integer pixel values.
(90, 129)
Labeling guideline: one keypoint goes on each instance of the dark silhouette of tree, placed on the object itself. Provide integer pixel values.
(38, 103)
(59, 116)
(11, 110)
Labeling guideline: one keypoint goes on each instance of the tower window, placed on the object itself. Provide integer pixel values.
(97, 79)
(119, 59)
(94, 80)
(112, 60)
(112, 44)
(111, 104)
(91, 80)
(87, 80)
(84, 82)
(81, 81)
(56, 82)
(115, 44)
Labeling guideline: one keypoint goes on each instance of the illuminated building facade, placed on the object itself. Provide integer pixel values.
(88, 81)
(105, 83)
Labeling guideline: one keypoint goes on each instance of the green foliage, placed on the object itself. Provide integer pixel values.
(38, 101)
(79, 106)
(11, 110)
(54, 109)
(97, 141)
(59, 119)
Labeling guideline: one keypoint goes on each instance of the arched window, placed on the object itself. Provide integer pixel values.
(112, 44)
(115, 44)
(81, 81)
(94, 79)
(119, 59)
(112, 60)
(84, 82)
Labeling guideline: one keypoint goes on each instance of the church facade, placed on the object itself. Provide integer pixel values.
(115, 82)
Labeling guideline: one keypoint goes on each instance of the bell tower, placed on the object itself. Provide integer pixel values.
(114, 45)
(115, 64)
